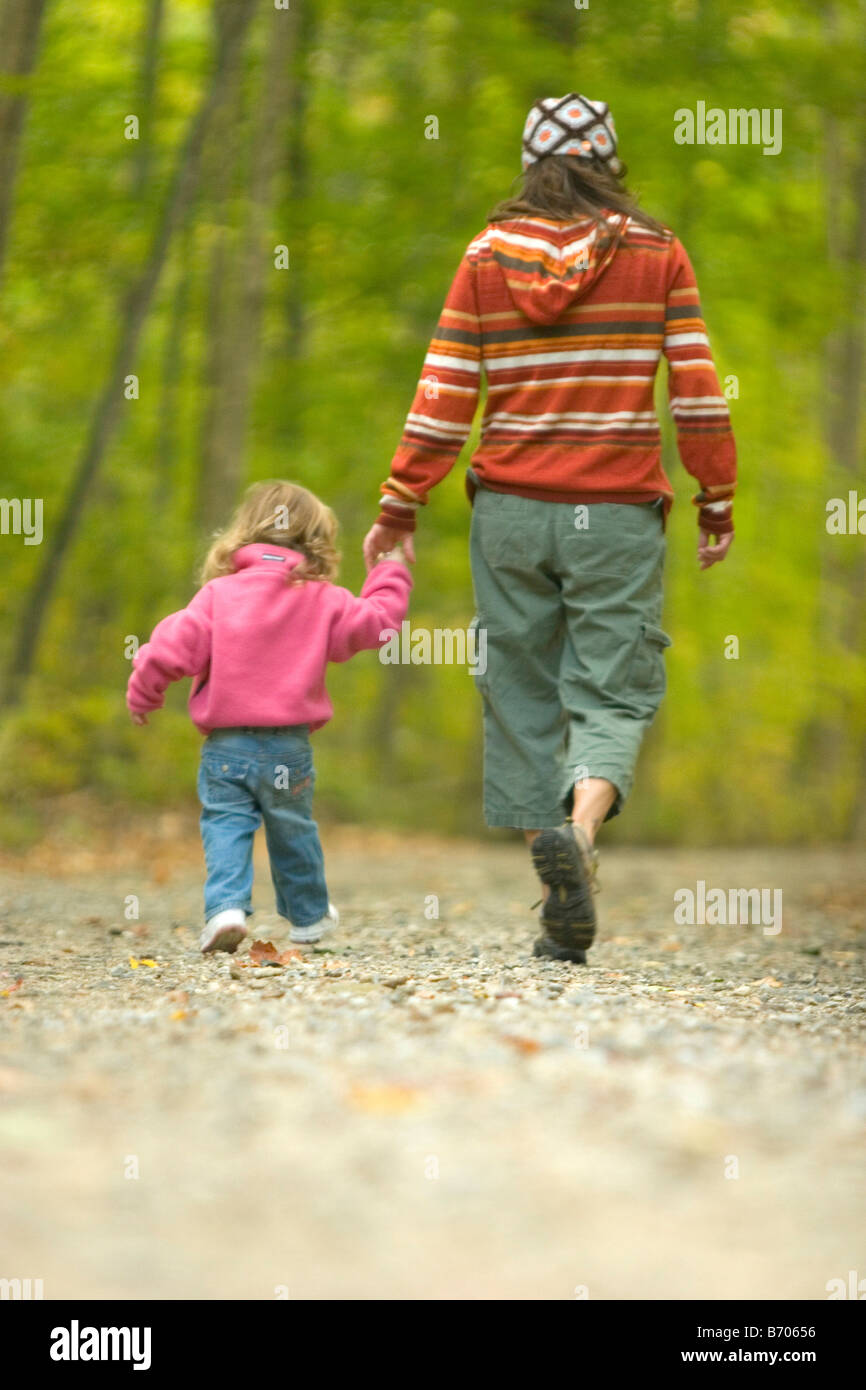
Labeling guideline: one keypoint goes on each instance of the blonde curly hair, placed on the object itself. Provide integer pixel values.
(279, 513)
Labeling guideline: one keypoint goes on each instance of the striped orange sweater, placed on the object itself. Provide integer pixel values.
(568, 328)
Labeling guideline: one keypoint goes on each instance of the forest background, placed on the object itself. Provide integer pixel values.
(158, 353)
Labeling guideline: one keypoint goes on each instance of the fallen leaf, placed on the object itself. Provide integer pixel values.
(145, 960)
(522, 1044)
(266, 953)
(12, 988)
(263, 951)
(134, 964)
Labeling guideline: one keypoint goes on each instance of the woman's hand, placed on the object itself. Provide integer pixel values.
(709, 554)
(380, 539)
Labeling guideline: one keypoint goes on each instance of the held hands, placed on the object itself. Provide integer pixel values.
(384, 543)
(710, 554)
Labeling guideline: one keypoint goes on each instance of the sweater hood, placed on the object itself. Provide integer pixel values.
(276, 557)
(549, 266)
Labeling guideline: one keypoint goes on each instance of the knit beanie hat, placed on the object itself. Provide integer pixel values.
(570, 125)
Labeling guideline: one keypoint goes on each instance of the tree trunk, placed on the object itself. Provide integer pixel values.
(220, 168)
(147, 87)
(852, 454)
(235, 350)
(834, 736)
(299, 179)
(20, 23)
(108, 407)
(172, 375)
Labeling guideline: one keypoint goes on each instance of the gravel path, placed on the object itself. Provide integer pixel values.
(423, 1110)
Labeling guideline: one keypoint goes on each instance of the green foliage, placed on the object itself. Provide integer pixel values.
(375, 216)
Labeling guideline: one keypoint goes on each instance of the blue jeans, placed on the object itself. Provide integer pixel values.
(248, 776)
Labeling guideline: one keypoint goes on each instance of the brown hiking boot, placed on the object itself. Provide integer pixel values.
(567, 863)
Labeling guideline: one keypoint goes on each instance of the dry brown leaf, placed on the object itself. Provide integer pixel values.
(263, 951)
(266, 953)
(522, 1044)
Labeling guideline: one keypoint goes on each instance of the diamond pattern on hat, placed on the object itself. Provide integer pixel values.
(572, 125)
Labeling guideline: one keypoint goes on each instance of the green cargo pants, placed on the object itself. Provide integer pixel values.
(568, 603)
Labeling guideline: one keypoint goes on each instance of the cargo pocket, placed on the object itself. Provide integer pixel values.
(648, 670)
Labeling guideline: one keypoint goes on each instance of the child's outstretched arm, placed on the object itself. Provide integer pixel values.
(179, 646)
(362, 624)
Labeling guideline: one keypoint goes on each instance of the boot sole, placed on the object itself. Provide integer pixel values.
(545, 947)
(568, 914)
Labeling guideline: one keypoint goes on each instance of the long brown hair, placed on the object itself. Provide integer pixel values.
(279, 513)
(566, 188)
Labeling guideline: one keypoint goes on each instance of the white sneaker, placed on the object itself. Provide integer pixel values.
(308, 935)
(224, 931)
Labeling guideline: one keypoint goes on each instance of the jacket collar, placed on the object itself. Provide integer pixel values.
(275, 557)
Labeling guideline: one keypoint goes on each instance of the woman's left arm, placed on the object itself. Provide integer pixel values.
(440, 420)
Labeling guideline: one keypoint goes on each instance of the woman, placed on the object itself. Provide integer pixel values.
(567, 301)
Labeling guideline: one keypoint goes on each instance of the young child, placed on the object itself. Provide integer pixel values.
(257, 637)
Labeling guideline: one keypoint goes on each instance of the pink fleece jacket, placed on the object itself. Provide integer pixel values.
(259, 646)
